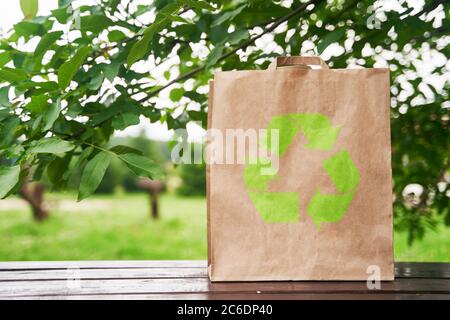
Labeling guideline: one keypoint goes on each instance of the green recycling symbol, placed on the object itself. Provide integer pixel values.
(284, 206)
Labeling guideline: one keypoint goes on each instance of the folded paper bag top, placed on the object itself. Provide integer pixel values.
(324, 210)
(303, 62)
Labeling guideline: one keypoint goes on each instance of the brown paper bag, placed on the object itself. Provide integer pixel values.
(326, 214)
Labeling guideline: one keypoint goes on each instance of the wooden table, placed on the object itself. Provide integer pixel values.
(188, 280)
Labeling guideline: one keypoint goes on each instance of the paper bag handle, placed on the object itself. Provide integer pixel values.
(299, 61)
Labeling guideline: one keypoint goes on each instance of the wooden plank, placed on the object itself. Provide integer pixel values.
(203, 285)
(403, 269)
(58, 269)
(92, 274)
(102, 264)
(248, 296)
(433, 270)
(188, 280)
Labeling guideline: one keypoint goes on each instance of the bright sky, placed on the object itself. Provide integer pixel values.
(10, 14)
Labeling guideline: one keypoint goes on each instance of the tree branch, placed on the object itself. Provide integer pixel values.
(272, 27)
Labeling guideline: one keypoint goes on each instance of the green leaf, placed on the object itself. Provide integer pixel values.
(51, 145)
(331, 37)
(12, 75)
(199, 4)
(35, 122)
(142, 8)
(214, 55)
(14, 151)
(29, 8)
(9, 177)
(175, 18)
(64, 3)
(50, 115)
(141, 166)
(121, 149)
(4, 113)
(152, 114)
(43, 86)
(74, 110)
(198, 116)
(96, 82)
(95, 23)
(218, 35)
(5, 57)
(56, 170)
(107, 113)
(114, 4)
(4, 97)
(140, 48)
(84, 155)
(93, 174)
(111, 70)
(237, 36)
(46, 42)
(8, 130)
(228, 15)
(27, 29)
(119, 108)
(124, 120)
(37, 104)
(176, 94)
(195, 96)
(116, 36)
(62, 14)
(75, 171)
(68, 70)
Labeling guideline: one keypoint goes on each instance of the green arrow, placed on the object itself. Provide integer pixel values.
(276, 206)
(284, 206)
(345, 176)
(316, 127)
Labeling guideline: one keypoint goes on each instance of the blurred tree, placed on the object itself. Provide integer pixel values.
(33, 194)
(153, 188)
(92, 69)
(193, 178)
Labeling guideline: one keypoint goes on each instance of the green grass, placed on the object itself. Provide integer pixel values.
(435, 246)
(118, 227)
(108, 228)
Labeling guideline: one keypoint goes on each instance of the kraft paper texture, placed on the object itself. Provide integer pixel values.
(248, 239)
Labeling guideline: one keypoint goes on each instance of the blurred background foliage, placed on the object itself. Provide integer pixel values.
(70, 80)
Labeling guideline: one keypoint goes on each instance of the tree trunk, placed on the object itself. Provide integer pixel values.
(153, 188)
(34, 195)
(154, 205)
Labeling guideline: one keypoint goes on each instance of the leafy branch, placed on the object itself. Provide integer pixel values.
(61, 103)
